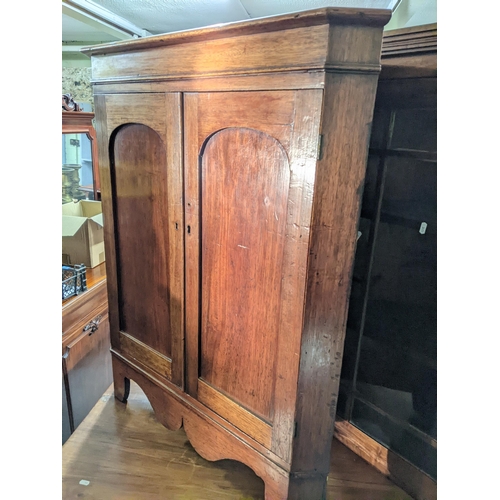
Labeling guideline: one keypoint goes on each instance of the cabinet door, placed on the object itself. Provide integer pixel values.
(87, 364)
(141, 184)
(250, 162)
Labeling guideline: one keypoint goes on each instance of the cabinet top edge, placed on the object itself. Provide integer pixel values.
(329, 15)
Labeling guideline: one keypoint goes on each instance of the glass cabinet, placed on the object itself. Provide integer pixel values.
(389, 374)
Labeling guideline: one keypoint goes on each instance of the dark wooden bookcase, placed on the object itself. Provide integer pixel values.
(387, 404)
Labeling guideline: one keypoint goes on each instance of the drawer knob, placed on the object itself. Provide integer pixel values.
(93, 325)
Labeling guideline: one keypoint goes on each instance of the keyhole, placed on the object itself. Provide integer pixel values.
(189, 229)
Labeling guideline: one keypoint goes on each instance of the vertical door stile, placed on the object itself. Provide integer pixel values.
(191, 232)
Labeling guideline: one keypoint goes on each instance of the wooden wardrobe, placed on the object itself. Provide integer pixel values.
(232, 165)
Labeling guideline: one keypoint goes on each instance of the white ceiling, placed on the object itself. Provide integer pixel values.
(109, 20)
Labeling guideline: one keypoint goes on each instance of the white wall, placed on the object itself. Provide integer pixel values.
(75, 60)
(413, 13)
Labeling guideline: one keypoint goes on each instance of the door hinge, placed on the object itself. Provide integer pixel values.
(319, 156)
(295, 429)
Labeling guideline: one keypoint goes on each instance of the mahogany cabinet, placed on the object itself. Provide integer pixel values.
(232, 162)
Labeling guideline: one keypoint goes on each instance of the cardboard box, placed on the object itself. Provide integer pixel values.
(83, 233)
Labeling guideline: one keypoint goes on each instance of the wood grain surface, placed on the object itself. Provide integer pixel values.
(245, 179)
(141, 201)
(337, 201)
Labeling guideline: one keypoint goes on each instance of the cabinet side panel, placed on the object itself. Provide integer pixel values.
(245, 181)
(348, 112)
(142, 236)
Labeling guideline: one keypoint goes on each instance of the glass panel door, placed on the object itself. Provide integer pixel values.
(389, 378)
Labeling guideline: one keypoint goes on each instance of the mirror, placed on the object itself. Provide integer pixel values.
(80, 175)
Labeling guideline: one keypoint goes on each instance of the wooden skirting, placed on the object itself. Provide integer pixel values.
(400, 471)
(125, 453)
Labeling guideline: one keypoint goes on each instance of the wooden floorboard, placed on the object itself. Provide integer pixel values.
(125, 454)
